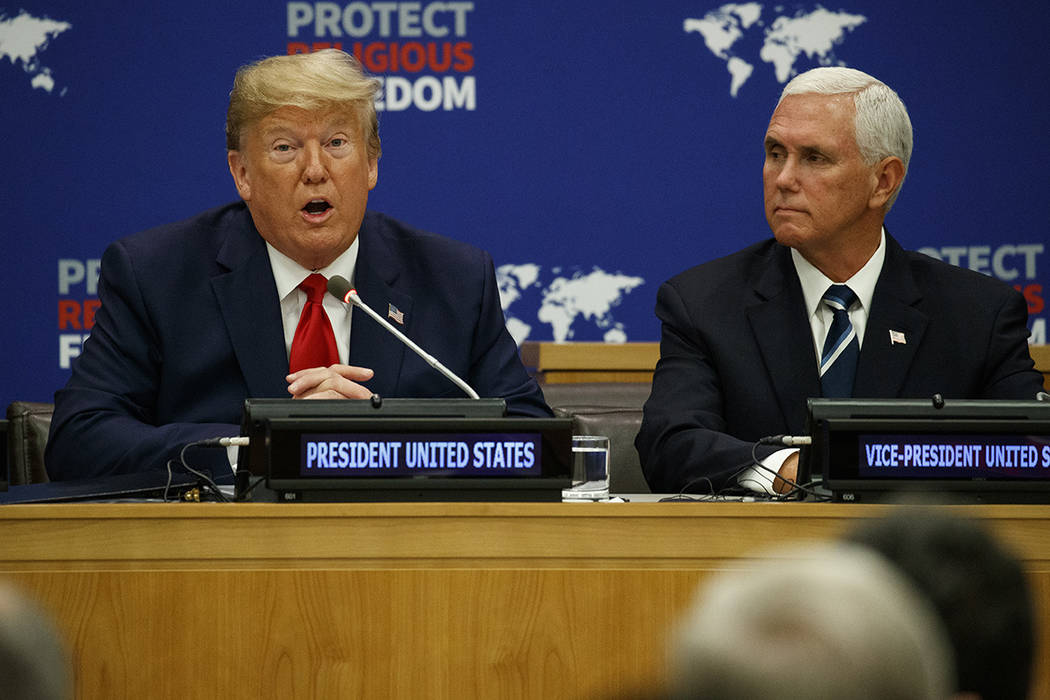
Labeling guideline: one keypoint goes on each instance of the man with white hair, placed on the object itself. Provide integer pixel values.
(827, 621)
(831, 306)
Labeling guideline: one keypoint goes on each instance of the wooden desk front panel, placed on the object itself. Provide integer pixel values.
(400, 600)
(1041, 356)
(363, 634)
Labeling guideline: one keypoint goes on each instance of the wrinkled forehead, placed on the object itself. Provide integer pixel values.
(818, 105)
(305, 120)
(813, 116)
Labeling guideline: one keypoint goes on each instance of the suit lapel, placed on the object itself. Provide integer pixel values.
(885, 361)
(781, 329)
(371, 345)
(247, 298)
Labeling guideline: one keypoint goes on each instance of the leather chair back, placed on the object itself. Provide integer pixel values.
(27, 429)
(613, 409)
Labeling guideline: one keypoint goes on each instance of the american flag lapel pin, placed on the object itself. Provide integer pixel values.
(897, 337)
(395, 313)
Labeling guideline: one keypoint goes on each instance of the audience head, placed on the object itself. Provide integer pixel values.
(34, 664)
(820, 621)
(978, 587)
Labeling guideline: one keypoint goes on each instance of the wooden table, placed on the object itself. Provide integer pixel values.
(402, 600)
(570, 363)
(560, 363)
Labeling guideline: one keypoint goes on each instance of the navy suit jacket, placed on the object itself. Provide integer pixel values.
(190, 326)
(737, 360)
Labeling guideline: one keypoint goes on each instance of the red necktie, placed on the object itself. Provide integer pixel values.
(314, 342)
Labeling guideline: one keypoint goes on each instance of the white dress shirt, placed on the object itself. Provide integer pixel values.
(814, 284)
(288, 274)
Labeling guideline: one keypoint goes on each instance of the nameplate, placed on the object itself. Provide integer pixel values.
(418, 458)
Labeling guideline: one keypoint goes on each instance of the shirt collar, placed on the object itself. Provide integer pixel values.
(815, 283)
(288, 274)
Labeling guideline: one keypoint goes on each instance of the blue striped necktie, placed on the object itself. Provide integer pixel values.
(838, 361)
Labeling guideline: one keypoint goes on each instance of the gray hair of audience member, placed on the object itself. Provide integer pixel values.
(34, 663)
(817, 621)
(976, 584)
(881, 127)
(323, 80)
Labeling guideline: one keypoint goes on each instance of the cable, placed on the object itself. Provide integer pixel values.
(798, 491)
(243, 496)
(206, 480)
(682, 496)
(712, 494)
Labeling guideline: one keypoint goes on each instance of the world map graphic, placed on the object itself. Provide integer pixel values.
(814, 33)
(566, 303)
(23, 38)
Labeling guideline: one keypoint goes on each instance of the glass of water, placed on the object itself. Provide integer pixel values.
(590, 469)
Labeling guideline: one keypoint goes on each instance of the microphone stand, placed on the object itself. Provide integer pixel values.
(341, 289)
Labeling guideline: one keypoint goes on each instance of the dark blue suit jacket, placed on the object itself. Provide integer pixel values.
(190, 326)
(737, 360)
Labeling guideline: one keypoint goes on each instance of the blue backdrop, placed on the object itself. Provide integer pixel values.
(593, 149)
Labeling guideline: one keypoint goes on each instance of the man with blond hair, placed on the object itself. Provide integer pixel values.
(199, 315)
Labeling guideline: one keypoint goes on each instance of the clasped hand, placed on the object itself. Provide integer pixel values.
(334, 382)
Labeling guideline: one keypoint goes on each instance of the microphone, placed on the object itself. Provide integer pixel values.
(341, 289)
(786, 440)
(223, 442)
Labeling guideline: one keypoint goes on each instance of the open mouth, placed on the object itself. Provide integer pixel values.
(317, 206)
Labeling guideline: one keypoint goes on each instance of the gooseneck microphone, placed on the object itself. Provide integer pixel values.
(786, 440)
(343, 290)
(234, 441)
